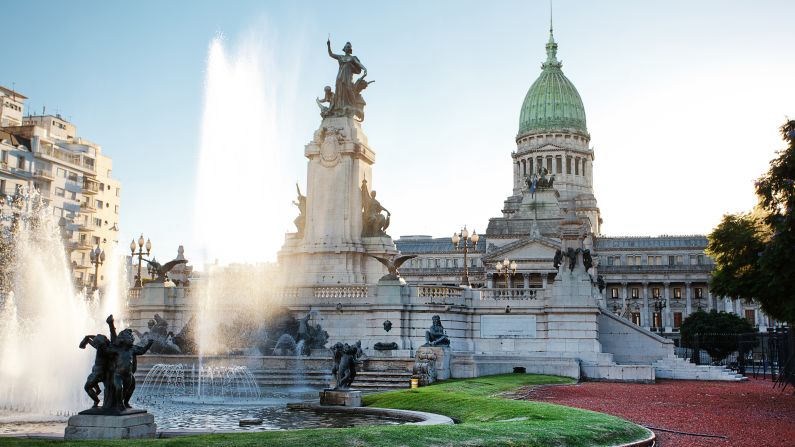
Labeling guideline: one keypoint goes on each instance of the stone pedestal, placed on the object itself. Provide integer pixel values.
(442, 360)
(127, 426)
(342, 398)
(390, 291)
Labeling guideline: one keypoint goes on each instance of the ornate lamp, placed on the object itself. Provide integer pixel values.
(461, 241)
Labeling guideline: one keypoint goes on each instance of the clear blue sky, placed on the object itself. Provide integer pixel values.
(683, 99)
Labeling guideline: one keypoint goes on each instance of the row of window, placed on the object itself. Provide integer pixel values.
(530, 165)
(634, 260)
(656, 320)
(20, 164)
(442, 262)
(634, 292)
(12, 106)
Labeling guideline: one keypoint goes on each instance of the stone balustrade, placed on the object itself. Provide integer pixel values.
(134, 294)
(340, 292)
(439, 295)
(510, 294)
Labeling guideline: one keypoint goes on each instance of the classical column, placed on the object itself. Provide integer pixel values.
(644, 316)
(709, 298)
(666, 314)
(688, 300)
(625, 297)
(544, 278)
(509, 280)
(526, 277)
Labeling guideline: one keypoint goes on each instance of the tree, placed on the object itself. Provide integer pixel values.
(755, 252)
(713, 332)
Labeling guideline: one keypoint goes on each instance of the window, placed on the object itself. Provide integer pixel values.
(21, 163)
(99, 204)
(4, 156)
(700, 259)
(671, 260)
(118, 192)
(549, 165)
(614, 292)
(677, 319)
(558, 165)
(568, 165)
(609, 260)
(60, 192)
(678, 293)
(655, 292)
(699, 292)
(116, 209)
(636, 318)
(679, 260)
(97, 222)
(657, 320)
(2, 186)
(60, 172)
(95, 240)
(530, 165)
(635, 292)
(577, 166)
(750, 315)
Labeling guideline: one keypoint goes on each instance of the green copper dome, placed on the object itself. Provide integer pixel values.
(552, 103)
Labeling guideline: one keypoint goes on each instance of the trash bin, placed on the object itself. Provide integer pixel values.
(415, 383)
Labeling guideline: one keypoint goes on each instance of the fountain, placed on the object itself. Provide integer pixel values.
(42, 316)
(228, 385)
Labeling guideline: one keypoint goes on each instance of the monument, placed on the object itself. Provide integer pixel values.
(114, 367)
(340, 222)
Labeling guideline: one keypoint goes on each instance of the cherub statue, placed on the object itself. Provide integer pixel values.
(98, 371)
(328, 98)
(124, 350)
(300, 221)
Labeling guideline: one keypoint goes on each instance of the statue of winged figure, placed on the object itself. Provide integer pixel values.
(162, 269)
(392, 264)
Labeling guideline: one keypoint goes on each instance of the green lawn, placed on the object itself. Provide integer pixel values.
(475, 403)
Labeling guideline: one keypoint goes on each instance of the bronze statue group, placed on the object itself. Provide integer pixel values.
(114, 366)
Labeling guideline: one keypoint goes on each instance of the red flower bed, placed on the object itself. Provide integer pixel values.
(748, 414)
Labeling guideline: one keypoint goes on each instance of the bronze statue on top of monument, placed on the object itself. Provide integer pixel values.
(346, 100)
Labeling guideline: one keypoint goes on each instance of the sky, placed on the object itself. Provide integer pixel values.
(683, 102)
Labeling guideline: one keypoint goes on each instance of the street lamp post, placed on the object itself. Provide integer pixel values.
(140, 253)
(97, 256)
(507, 266)
(461, 241)
(659, 305)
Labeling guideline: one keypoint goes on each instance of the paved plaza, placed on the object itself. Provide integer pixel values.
(750, 413)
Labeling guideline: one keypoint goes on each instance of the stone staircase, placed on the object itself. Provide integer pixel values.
(278, 378)
(673, 367)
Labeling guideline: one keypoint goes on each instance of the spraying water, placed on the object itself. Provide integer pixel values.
(243, 197)
(42, 317)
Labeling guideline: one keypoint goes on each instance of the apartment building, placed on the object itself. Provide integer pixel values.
(72, 176)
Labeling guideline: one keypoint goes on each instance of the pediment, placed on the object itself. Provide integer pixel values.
(527, 248)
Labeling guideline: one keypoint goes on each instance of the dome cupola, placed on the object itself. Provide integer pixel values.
(552, 103)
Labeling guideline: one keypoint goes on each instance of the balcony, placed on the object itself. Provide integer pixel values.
(87, 207)
(80, 245)
(90, 186)
(43, 174)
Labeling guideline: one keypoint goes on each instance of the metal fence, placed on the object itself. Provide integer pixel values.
(758, 354)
